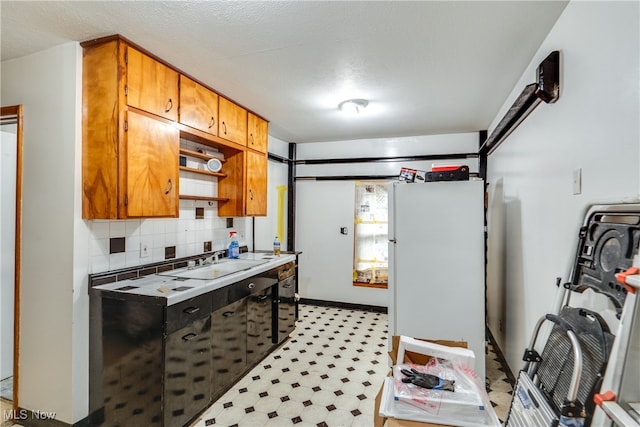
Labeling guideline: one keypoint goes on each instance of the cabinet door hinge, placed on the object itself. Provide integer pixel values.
(126, 56)
(126, 200)
(126, 125)
(126, 90)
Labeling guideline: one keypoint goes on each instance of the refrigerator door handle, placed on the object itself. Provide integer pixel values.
(392, 241)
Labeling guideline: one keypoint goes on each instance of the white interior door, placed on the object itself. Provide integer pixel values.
(326, 262)
(7, 245)
(325, 270)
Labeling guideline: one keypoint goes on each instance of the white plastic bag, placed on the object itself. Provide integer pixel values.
(468, 405)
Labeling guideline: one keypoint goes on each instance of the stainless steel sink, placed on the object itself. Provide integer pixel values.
(213, 271)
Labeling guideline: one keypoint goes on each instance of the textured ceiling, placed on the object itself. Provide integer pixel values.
(426, 67)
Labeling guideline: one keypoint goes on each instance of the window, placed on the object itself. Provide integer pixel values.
(370, 258)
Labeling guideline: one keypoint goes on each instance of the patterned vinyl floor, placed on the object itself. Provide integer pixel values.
(327, 374)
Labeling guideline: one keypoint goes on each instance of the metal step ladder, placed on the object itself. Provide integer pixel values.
(618, 402)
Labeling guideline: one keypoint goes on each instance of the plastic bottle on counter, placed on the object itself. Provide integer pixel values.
(276, 247)
(234, 247)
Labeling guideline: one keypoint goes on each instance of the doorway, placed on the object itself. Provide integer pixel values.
(11, 121)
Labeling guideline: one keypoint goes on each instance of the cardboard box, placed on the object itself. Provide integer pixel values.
(409, 357)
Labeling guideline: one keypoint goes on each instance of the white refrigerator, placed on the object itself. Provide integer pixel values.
(436, 263)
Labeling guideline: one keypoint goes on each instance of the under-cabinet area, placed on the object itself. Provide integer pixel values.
(158, 360)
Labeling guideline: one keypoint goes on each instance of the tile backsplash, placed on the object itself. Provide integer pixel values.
(146, 240)
(151, 240)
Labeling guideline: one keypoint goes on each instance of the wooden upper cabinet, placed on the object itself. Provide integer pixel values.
(152, 174)
(257, 133)
(198, 106)
(151, 85)
(134, 109)
(256, 192)
(102, 127)
(129, 155)
(233, 122)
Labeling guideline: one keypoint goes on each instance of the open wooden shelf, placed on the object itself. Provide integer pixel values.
(201, 171)
(199, 155)
(204, 198)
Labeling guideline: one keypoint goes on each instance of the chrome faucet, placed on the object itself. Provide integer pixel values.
(213, 259)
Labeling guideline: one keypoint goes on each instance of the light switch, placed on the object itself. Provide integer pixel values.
(577, 181)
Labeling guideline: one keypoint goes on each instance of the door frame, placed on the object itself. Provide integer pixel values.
(14, 114)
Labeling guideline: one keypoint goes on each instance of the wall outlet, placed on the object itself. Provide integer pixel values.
(577, 181)
(144, 250)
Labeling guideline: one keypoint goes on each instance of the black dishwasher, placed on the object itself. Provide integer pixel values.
(284, 319)
(187, 381)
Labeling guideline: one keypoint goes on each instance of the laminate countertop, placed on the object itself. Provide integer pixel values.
(174, 286)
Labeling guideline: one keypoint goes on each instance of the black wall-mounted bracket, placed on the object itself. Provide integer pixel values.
(547, 89)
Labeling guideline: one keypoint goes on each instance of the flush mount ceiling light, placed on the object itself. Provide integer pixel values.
(353, 106)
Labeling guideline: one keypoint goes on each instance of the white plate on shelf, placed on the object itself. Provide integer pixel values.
(214, 165)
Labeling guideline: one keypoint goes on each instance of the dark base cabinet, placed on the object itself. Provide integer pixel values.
(285, 310)
(259, 325)
(157, 365)
(126, 362)
(187, 360)
(229, 345)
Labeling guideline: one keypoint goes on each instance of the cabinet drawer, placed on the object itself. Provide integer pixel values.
(248, 286)
(287, 288)
(286, 271)
(219, 298)
(186, 312)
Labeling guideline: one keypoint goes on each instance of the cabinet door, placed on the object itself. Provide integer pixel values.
(187, 372)
(233, 122)
(102, 125)
(257, 133)
(285, 321)
(256, 194)
(198, 106)
(229, 345)
(259, 325)
(151, 85)
(151, 167)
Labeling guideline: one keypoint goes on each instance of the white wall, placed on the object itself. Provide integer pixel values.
(54, 298)
(459, 143)
(533, 216)
(322, 207)
(266, 227)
